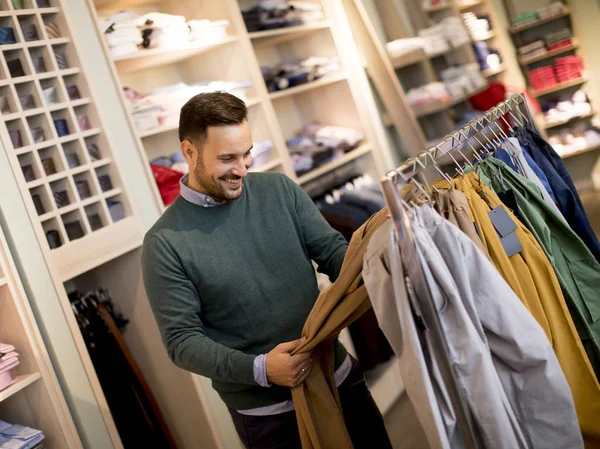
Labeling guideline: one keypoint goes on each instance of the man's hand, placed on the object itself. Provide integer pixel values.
(285, 369)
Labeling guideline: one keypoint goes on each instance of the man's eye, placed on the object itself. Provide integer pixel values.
(227, 159)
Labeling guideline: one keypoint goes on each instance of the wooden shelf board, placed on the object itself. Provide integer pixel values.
(29, 11)
(565, 122)
(3, 281)
(468, 4)
(330, 79)
(439, 106)
(21, 383)
(252, 102)
(550, 54)
(279, 35)
(410, 58)
(536, 23)
(488, 36)
(348, 157)
(146, 59)
(159, 130)
(579, 152)
(559, 87)
(266, 167)
(491, 72)
(438, 8)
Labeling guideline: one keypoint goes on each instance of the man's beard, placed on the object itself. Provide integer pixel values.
(217, 188)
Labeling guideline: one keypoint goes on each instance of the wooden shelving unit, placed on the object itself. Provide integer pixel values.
(549, 54)
(35, 398)
(537, 23)
(566, 122)
(559, 87)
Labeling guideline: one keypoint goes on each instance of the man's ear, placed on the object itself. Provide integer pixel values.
(189, 151)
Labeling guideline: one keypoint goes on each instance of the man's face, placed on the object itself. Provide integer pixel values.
(218, 168)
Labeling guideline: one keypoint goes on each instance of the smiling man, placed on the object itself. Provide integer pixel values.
(228, 271)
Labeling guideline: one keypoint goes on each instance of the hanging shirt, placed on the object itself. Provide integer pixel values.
(577, 270)
(528, 369)
(532, 278)
(567, 198)
(383, 274)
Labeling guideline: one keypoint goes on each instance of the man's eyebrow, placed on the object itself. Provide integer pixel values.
(233, 154)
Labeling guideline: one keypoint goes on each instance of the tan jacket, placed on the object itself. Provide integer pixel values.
(320, 420)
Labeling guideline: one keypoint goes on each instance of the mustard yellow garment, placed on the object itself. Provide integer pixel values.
(533, 279)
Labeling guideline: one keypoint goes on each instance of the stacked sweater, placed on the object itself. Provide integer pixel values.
(9, 359)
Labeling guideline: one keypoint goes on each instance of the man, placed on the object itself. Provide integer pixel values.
(228, 271)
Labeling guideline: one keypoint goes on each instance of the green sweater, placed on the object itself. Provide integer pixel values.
(228, 283)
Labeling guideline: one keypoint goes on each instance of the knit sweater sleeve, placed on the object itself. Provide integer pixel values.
(326, 246)
(177, 305)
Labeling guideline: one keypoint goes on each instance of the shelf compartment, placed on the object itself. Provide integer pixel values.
(559, 87)
(566, 122)
(549, 54)
(413, 57)
(146, 59)
(8, 103)
(326, 80)
(21, 382)
(74, 225)
(40, 58)
(17, 63)
(28, 95)
(30, 167)
(39, 128)
(51, 160)
(348, 157)
(442, 7)
(536, 23)
(41, 201)
(279, 35)
(52, 91)
(492, 72)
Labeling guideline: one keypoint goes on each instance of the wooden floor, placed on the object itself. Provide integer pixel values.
(403, 427)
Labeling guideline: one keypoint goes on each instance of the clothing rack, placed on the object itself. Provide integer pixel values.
(478, 134)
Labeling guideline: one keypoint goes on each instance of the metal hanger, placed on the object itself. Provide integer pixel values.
(439, 170)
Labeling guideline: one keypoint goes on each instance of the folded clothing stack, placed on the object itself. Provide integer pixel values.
(542, 78)
(429, 92)
(316, 145)
(463, 80)
(14, 436)
(568, 68)
(551, 10)
(294, 72)
(161, 107)
(175, 162)
(525, 18)
(564, 109)
(9, 359)
(434, 3)
(558, 39)
(488, 58)
(121, 32)
(478, 26)
(571, 141)
(450, 32)
(261, 153)
(272, 14)
(127, 32)
(536, 48)
(163, 30)
(401, 47)
(208, 31)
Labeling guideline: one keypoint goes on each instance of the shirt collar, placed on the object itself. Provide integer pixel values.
(194, 197)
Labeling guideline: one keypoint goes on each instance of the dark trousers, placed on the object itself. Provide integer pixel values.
(363, 421)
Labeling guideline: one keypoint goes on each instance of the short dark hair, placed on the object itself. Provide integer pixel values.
(209, 109)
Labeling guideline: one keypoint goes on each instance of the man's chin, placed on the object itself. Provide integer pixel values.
(230, 194)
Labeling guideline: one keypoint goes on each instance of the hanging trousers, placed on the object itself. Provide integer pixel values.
(533, 279)
(361, 415)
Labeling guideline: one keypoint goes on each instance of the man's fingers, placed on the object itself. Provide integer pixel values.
(302, 375)
(289, 346)
(299, 358)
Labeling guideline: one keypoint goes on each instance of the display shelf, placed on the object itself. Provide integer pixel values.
(446, 52)
(348, 157)
(462, 5)
(159, 130)
(566, 122)
(266, 167)
(537, 23)
(549, 54)
(147, 59)
(413, 57)
(272, 37)
(20, 383)
(35, 398)
(559, 87)
(487, 37)
(123, 4)
(492, 72)
(580, 152)
(326, 80)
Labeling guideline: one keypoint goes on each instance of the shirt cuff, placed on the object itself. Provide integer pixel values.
(260, 371)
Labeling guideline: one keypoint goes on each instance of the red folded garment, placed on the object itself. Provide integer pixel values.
(168, 182)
